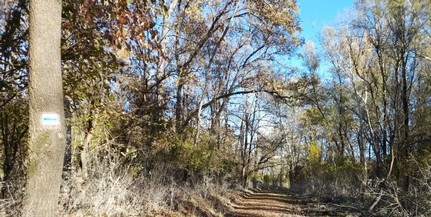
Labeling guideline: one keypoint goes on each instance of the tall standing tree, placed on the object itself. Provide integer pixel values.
(46, 125)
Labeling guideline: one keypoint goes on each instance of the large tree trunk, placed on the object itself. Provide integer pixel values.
(46, 127)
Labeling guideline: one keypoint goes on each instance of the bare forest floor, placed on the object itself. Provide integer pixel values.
(278, 203)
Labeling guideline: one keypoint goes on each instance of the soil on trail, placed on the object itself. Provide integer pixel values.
(281, 203)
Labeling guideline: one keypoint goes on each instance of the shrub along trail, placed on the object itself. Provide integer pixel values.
(281, 203)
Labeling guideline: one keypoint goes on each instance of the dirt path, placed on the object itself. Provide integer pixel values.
(278, 204)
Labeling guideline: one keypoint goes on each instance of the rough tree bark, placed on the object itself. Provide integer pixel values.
(46, 126)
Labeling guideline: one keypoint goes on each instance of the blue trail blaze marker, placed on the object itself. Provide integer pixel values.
(50, 119)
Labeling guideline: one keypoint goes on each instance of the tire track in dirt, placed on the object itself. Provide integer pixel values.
(272, 203)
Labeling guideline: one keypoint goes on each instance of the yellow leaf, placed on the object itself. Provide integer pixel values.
(123, 53)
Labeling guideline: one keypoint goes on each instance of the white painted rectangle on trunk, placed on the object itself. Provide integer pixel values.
(50, 119)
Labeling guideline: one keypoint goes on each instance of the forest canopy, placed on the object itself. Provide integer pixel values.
(186, 93)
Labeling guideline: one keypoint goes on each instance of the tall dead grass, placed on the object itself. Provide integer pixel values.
(111, 190)
(11, 195)
(8, 202)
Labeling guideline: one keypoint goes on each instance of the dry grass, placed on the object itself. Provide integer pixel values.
(110, 191)
(11, 199)
(8, 207)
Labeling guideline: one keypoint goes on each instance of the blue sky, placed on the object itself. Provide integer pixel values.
(316, 14)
